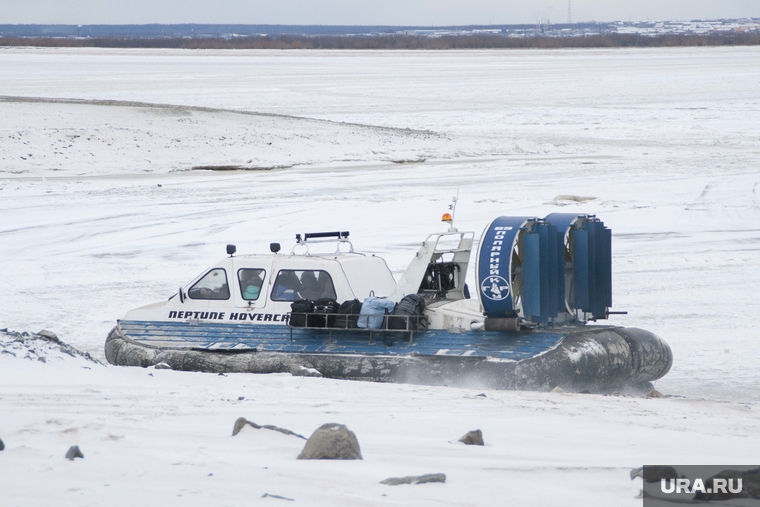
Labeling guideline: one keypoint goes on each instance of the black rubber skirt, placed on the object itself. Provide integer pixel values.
(596, 359)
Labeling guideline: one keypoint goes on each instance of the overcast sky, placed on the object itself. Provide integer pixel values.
(365, 12)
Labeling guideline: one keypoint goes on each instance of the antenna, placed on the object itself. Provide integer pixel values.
(449, 217)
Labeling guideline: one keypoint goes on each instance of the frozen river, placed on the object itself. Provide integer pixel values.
(100, 213)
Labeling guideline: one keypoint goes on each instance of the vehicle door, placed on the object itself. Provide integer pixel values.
(250, 279)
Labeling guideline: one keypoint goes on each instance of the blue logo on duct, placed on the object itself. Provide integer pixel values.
(494, 256)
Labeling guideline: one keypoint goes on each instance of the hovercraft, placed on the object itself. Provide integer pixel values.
(542, 287)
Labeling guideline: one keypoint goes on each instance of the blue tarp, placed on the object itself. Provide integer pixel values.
(373, 312)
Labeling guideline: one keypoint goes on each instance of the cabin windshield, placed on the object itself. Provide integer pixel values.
(212, 286)
(309, 284)
(251, 281)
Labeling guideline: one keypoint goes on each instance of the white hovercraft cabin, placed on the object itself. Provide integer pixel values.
(261, 288)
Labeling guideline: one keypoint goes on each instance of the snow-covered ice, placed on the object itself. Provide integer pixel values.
(100, 211)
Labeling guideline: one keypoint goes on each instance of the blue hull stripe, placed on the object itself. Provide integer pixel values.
(215, 336)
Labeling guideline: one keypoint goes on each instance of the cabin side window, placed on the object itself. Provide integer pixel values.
(212, 286)
(310, 284)
(251, 281)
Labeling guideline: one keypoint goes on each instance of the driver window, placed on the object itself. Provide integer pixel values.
(212, 286)
(250, 283)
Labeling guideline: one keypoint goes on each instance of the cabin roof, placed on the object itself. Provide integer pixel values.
(302, 257)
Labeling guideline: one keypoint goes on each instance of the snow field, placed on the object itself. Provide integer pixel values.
(155, 436)
(665, 141)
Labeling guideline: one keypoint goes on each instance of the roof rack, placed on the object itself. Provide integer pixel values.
(322, 237)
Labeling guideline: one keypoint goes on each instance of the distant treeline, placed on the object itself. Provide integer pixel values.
(395, 42)
(195, 30)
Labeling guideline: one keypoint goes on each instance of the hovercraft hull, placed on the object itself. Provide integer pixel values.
(576, 358)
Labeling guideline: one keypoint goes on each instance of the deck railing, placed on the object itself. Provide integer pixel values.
(405, 324)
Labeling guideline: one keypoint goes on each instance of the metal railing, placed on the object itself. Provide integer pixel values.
(342, 322)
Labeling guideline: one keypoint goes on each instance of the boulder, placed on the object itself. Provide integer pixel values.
(49, 335)
(656, 473)
(474, 437)
(278, 497)
(654, 393)
(74, 452)
(331, 441)
(558, 389)
(239, 425)
(414, 479)
(750, 485)
(2, 445)
(241, 422)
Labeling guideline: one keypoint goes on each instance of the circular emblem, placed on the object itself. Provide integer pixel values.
(495, 287)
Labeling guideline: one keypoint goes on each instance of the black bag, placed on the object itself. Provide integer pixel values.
(299, 309)
(321, 308)
(326, 306)
(348, 314)
(409, 314)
